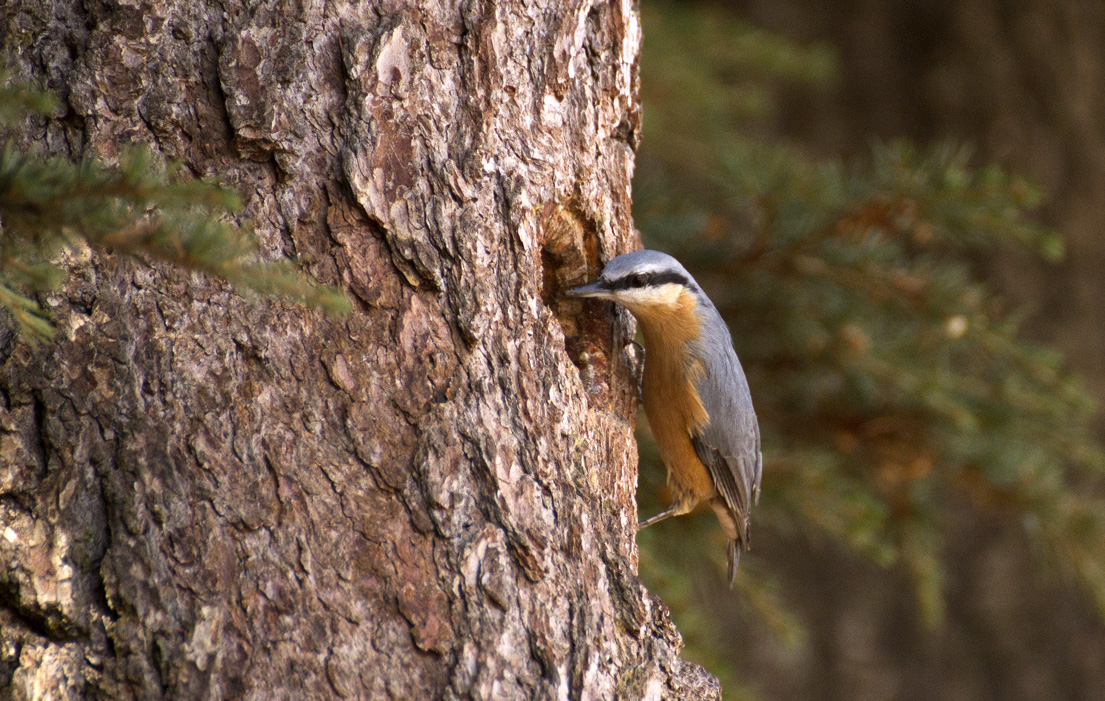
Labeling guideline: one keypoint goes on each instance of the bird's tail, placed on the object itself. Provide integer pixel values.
(733, 555)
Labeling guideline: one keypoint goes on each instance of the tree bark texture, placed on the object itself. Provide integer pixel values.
(205, 494)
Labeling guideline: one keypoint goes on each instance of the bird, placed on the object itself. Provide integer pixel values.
(694, 391)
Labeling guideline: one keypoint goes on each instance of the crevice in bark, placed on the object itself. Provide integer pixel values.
(569, 257)
(576, 652)
(39, 446)
(7, 347)
(48, 624)
(95, 569)
(140, 111)
(157, 666)
(20, 501)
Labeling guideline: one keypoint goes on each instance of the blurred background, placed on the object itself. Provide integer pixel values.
(896, 204)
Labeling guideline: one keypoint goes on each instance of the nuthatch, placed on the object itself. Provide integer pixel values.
(695, 394)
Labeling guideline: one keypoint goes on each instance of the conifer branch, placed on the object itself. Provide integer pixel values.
(140, 207)
(892, 383)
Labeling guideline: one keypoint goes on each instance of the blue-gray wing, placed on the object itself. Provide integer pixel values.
(729, 445)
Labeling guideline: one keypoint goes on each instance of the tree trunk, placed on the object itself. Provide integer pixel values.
(205, 494)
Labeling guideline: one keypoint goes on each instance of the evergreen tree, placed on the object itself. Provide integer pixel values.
(890, 381)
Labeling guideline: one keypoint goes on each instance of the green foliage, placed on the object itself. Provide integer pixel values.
(141, 206)
(890, 382)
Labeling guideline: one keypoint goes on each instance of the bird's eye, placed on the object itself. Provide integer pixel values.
(637, 280)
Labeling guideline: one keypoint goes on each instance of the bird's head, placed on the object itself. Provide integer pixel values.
(647, 283)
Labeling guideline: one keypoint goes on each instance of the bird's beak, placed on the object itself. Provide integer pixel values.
(592, 290)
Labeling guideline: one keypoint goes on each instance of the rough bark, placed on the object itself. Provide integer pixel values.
(204, 494)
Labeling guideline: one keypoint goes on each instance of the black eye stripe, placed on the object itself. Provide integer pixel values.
(670, 276)
(634, 280)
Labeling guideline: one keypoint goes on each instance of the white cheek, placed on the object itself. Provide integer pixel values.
(650, 298)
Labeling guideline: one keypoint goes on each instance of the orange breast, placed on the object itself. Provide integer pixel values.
(672, 404)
